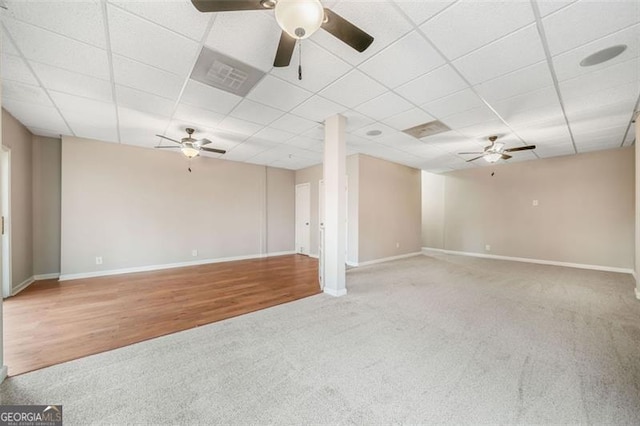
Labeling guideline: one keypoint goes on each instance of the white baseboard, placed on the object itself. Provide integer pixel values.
(52, 276)
(387, 259)
(426, 250)
(334, 292)
(149, 268)
(3, 373)
(315, 256)
(24, 284)
(352, 264)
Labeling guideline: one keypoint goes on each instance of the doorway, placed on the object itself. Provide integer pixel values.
(5, 225)
(303, 218)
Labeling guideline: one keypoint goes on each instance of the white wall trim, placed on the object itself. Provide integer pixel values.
(335, 293)
(352, 264)
(387, 259)
(3, 373)
(426, 250)
(637, 291)
(315, 256)
(24, 284)
(67, 277)
(52, 276)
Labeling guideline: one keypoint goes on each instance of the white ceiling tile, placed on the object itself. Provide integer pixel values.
(517, 82)
(631, 137)
(14, 68)
(483, 130)
(408, 119)
(143, 101)
(319, 68)
(137, 75)
(209, 98)
(540, 105)
(149, 43)
(80, 20)
(49, 48)
(510, 53)
(461, 101)
(355, 120)
(293, 124)
(269, 134)
(303, 142)
(549, 6)
(60, 80)
(256, 113)
(420, 11)
(384, 106)
(31, 115)
(605, 117)
(615, 134)
(402, 61)
(197, 116)
(247, 149)
(366, 16)
(88, 118)
(236, 125)
(436, 84)
(598, 145)
(318, 109)
(468, 118)
(7, 47)
(585, 21)
(177, 15)
(385, 130)
(353, 89)
(250, 37)
(45, 132)
(139, 128)
(561, 148)
(316, 132)
(567, 65)
(25, 93)
(553, 132)
(277, 93)
(626, 94)
(468, 25)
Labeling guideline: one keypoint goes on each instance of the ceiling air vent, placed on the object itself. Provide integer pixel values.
(427, 129)
(222, 72)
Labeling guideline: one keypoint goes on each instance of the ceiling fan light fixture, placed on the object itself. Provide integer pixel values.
(493, 157)
(189, 151)
(299, 18)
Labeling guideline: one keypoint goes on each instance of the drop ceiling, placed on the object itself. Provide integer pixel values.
(118, 71)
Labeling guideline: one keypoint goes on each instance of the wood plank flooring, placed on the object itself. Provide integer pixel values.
(51, 322)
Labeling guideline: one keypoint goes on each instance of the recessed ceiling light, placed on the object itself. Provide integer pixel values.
(374, 133)
(603, 55)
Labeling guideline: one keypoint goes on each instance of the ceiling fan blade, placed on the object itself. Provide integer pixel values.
(169, 139)
(474, 159)
(470, 153)
(171, 147)
(285, 50)
(204, 141)
(226, 5)
(217, 151)
(344, 30)
(520, 148)
(505, 156)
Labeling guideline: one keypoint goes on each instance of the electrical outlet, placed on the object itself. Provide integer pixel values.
(194, 252)
(99, 260)
(535, 203)
(487, 247)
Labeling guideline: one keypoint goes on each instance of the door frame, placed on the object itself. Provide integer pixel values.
(307, 228)
(5, 211)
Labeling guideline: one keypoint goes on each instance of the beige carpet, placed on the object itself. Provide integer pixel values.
(439, 339)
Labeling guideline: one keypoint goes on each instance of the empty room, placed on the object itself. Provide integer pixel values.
(320, 212)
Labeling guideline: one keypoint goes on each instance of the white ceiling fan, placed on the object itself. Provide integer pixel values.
(189, 146)
(496, 151)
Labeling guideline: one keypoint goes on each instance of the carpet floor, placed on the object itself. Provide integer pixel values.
(428, 339)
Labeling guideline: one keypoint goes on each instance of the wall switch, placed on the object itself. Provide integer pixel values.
(487, 247)
(535, 203)
(99, 260)
(194, 252)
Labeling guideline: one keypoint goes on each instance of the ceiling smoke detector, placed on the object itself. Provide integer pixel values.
(427, 129)
(603, 55)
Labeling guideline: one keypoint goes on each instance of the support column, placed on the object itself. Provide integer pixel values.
(637, 255)
(335, 206)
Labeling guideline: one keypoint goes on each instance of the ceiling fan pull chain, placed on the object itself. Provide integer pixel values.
(299, 59)
(189, 168)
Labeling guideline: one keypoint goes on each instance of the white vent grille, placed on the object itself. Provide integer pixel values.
(225, 73)
(427, 129)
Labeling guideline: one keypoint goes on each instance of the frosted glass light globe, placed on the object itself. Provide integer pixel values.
(299, 18)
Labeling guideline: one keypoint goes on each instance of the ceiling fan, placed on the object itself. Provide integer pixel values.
(496, 151)
(189, 146)
(298, 19)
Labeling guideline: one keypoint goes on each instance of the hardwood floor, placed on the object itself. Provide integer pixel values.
(51, 322)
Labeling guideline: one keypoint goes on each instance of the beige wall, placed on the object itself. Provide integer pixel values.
(637, 210)
(280, 197)
(312, 175)
(17, 138)
(141, 207)
(46, 163)
(389, 209)
(353, 208)
(585, 213)
(433, 210)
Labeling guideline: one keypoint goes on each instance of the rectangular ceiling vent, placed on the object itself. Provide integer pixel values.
(225, 73)
(427, 129)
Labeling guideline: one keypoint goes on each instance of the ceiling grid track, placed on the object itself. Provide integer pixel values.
(547, 53)
(634, 116)
(107, 37)
(449, 63)
(28, 65)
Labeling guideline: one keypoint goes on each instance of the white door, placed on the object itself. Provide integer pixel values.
(303, 218)
(321, 233)
(5, 228)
